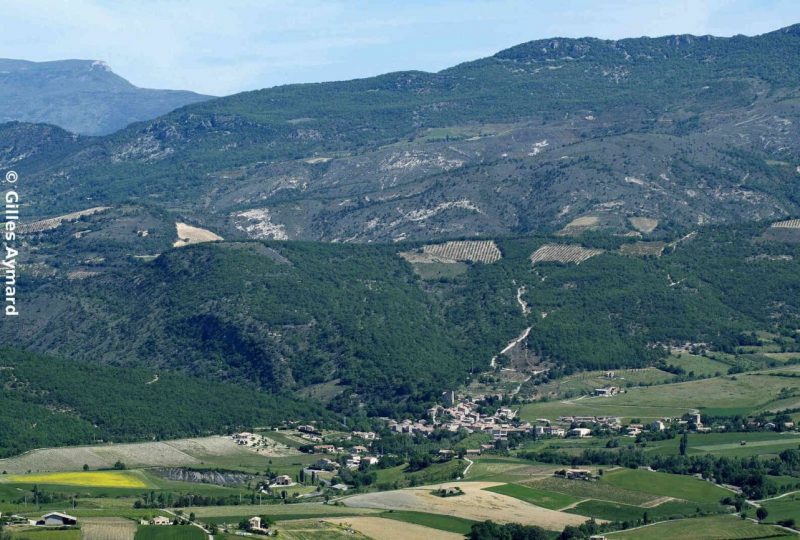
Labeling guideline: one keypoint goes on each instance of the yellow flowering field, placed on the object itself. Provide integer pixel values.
(118, 479)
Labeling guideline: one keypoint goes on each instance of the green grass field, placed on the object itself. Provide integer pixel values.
(508, 469)
(786, 507)
(723, 396)
(438, 472)
(169, 532)
(708, 528)
(729, 444)
(306, 530)
(586, 381)
(283, 438)
(625, 512)
(700, 365)
(257, 463)
(44, 534)
(434, 521)
(665, 485)
(593, 490)
(547, 499)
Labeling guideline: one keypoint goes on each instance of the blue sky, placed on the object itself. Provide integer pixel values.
(226, 46)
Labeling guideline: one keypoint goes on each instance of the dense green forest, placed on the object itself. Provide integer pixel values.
(357, 321)
(48, 401)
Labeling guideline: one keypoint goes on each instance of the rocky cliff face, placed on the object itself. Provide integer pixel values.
(219, 478)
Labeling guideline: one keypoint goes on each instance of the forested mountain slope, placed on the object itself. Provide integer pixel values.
(51, 402)
(684, 129)
(81, 96)
(361, 326)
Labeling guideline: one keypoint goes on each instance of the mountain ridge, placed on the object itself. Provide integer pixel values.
(507, 144)
(81, 96)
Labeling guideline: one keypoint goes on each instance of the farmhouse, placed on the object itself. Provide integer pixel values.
(282, 480)
(57, 519)
(160, 520)
(549, 431)
(580, 432)
(366, 435)
(578, 474)
(256, 525)
(324, 464)
(658, 425)
(608, 391)
(326, 448)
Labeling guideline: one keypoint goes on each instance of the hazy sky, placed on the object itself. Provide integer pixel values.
(225, 46)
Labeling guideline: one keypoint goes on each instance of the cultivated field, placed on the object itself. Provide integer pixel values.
(187, 234)
(669, 509)
(786, 507)
(546, 499)
(307, 529)
(161, 532)
(659, 484)
(55, 222)
(643, 224)
(726, 395)
(475, 251)
(700, 365)
(585, 382)
(593, 490)
(709, 528)
(580, 224)
(447, 259)
(115, 479)
(434, 521)
(30, 533)
(643, 249)
(788, 224)
(563, 254)
(508, 469)
(730, 444)
(476, 504)
(149, 454)
(384, 529)
(232, 514)
(107, 529)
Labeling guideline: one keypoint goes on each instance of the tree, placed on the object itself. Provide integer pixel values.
(684, 443)
(762, 513)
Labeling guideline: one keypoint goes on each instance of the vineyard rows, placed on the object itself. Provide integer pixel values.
(563, 254)
(485, 251)
(789, 224)
(52, 223)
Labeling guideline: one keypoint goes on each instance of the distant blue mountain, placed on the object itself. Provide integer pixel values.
(82, 96)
